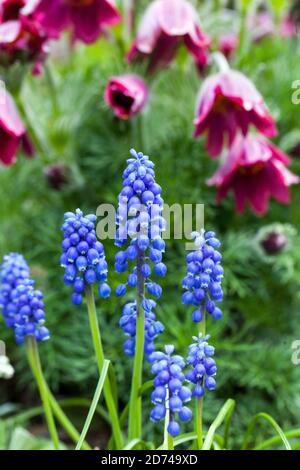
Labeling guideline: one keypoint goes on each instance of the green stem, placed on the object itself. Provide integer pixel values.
(51, 86)
(65, 422)
(110, 402)
(34, 361)
(135, 404)
(168, 439)
(199, 401)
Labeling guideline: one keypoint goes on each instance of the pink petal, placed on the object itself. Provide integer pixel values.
(54, 16)
(8, 148)
(10, 120)
(9, 32)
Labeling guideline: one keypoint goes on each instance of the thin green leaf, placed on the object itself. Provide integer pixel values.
(274, 425)
(93, 405)
(292, 433)
(225, 411)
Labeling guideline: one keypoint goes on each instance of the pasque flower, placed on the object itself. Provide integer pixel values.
(203, 367)
(83, 256)
(169, 394)
(165, 25)
(22, 305)
(22, 37)
(229, 102)
(228, 44)
(126, 95)
(152, 327)
(86, 18)
(255, 170)
(203, 282)
(13, 134)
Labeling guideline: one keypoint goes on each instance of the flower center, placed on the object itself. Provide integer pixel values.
(11, 10)
(122, 100)
(79, 3)
(251, 170)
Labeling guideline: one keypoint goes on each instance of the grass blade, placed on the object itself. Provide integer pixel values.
(274, 425)
(224, 413)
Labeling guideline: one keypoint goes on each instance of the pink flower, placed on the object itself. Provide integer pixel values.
(288, 27)
(229, 102)
(86, 18)
(22, 38)
(255, 170)
(126, 95)
(166, 24)
(228, 44)
(12, 131)
(261, 25)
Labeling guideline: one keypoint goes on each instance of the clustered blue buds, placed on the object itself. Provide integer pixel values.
(139, 217)
(203, 366)
(169, 394)
(22, 305)
(204, 276)
(152, 327)
(83, 256)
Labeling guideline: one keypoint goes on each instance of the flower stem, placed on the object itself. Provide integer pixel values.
(220, 60)
(168, 439)
(199, 401)
(110, 402)
(35, 364)
(135, 404)
(51, 86)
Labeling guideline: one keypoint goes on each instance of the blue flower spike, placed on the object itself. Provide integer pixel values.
(203, 281)
(203, 367)
(83, 256)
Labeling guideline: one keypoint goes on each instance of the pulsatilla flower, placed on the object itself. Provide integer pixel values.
(166, 24)
(203, 281)
(86, 18)
(229, 102)
(22, 38)
(12, 131)
(255, 170)
(22, 305)
(170, 394)
(126, 95)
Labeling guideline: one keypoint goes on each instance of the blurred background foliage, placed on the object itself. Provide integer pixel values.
(74, 127)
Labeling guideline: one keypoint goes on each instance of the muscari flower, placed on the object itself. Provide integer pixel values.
(22, 305)
(128, 323)
(165, 25)
(204, 276)
(126, 95)
(86, 18)
(22, 38)
(228, 103)
(12, 131)
(169, 393)
(203, 367)
(255, 170)
(83, 256)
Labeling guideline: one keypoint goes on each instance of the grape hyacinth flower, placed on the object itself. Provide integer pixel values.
(13, 134)
(22, 305)
(165, 25)
(152, 327)
(169, 395)
(139, 235)
(126, 94)
(204, 276)
(228, 103)
(204, 368)
(255, 170)
(83, 256)
(86, 18)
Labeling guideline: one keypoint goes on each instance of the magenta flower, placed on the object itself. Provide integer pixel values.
(166, 24)
(126, 95)
(288, 27)
(255, 170)
(22, 38)
(12, 131)
(229, 102)
(86, 18)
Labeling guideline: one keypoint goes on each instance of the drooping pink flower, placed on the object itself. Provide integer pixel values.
(86, 18)
(228, 44)
(22, 38)
(229, 102)
(126, 95)
(288, 27)
(261, 25)
(12, 131)
(165, 25)
(255, 170)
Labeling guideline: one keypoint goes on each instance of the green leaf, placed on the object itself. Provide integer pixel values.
(225, 412)
(292, 433)
(274, 425)
(93, 405)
